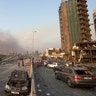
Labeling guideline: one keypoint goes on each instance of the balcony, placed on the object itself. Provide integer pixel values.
(88, 34)
(87, 20)
(79, 3)
(82, 27)
(86, 14)
(80, 7)
(85, 34)
(80, 12)
(84, 37)
(84, 5)
(83, 1)
(81, 21)
(83, 13)
(87, 29)
(81, 16)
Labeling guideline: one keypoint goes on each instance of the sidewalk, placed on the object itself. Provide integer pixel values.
(27, 66)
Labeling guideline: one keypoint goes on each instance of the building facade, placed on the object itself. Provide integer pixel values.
(74, 23)
(94, 19)
(53, 52)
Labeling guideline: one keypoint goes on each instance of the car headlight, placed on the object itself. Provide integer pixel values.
(7, 86)
(24, 88)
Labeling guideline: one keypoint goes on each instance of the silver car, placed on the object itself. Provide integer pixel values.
(77, 76)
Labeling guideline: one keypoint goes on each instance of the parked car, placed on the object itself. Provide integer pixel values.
(77, 76)
(19, 83)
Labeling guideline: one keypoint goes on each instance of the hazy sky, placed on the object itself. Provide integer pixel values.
(19, 19)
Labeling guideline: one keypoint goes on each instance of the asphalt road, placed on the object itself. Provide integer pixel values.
(5, 71)
(47, 85)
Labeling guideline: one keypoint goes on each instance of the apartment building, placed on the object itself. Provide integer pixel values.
(74, 23)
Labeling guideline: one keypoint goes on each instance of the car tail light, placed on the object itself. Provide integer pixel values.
(94, 78)
(77, 77)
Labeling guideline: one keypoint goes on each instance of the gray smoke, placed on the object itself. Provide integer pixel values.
(8, 44)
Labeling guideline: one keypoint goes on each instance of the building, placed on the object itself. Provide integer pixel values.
(85, 52)
(52, 52)
(74, 23)
(94, 19)
(55, 53)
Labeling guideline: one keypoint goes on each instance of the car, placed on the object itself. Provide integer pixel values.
(45, 63)
(19, 83)
(38, 62)
(58, 68)
(77, 76)
(53, 64)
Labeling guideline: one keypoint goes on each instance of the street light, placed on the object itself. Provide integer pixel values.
(33, 43)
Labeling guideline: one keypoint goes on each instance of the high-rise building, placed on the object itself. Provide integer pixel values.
(94, 19)
(74, 23)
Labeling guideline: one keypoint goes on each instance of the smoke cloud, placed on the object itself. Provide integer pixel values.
(8, 44)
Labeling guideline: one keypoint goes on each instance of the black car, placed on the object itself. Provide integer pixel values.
(18, 84)
(77, 76)
(58, 68)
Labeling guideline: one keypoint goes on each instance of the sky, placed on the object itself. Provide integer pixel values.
(32, 25)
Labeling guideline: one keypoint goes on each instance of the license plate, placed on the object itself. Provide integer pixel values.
(87, 77)
(14, 92)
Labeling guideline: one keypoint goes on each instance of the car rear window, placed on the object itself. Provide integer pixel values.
(83, 72)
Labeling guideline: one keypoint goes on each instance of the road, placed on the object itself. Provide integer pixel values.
(5, 71)
(47, 85)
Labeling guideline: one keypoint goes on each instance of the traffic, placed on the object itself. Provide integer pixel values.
(53, 81)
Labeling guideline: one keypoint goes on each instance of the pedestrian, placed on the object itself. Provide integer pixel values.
(22, 63)
(19, 64)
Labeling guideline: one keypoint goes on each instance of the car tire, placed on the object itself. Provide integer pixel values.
(6, 94)
(56, 76)
(69, 83)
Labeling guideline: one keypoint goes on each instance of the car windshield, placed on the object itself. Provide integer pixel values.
(83, 72)
(18, 81)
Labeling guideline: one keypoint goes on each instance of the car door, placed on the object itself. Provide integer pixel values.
(67, 73)
(62, 74)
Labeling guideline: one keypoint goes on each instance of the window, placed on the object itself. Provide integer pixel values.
(83, 72)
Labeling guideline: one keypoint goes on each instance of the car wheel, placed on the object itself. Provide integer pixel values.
(69, 83)
(56, 76)
(6, 94)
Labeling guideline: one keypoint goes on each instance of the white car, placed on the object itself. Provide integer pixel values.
(52, 65)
